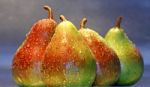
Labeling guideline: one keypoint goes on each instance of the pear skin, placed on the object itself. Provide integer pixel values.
(68, 60)
(108, 65)
(132, 65)
(26, 66)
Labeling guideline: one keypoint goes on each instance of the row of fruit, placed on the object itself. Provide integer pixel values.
(61, 55)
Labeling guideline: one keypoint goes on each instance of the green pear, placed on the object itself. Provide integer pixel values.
(108, 65)
(129, 56)
(68, 60)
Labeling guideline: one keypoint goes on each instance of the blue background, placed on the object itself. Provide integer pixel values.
(17, 17)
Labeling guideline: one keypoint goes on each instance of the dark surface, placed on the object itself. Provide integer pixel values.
(6, 78)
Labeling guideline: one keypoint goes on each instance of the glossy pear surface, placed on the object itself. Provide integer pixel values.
(68, 60)
(129, 56)
(108, 65)
(26, 66)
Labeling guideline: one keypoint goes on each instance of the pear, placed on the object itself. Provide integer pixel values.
(108, 65)
(26, 66)
(129, 56)
(68, 60)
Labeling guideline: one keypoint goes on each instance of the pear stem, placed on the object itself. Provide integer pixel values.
(82, 23)
(62, 17)
(118, 21)
(50, 15)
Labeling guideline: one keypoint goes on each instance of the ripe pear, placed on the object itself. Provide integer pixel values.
(68, 60)
(26, 66)
(129, 56)
(108, 65)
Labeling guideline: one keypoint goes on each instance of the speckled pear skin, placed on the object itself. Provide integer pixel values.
(68, 60)
(108, 65)
(28, 58)
(130, 58)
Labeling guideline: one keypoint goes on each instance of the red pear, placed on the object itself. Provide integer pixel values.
(28, 57)
(108, 65)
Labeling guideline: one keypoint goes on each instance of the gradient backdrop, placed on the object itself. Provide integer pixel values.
(17, 17)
